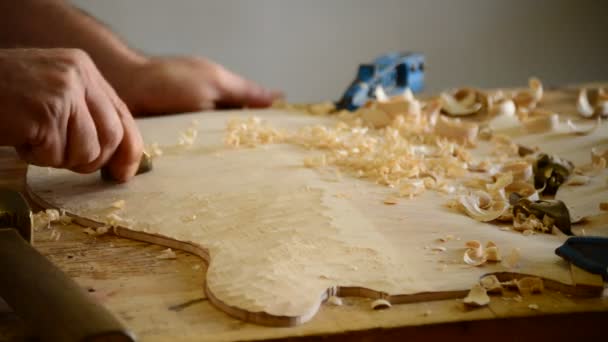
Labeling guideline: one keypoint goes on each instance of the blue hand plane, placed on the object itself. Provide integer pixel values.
(395, 72)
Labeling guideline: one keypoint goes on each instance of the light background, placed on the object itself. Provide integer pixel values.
(311, 48)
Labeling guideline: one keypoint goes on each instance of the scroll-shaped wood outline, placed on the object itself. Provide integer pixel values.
(279, 239)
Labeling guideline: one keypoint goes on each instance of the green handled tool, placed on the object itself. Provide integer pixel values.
(49, 301)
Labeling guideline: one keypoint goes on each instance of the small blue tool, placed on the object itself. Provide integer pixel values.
(587, 252)
(394, 71)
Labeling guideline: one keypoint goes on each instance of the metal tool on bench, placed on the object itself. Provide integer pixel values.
(587, 252)
(394, 72)
(49, 301)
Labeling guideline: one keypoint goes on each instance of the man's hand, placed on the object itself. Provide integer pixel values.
(57, 110)
(182, 84)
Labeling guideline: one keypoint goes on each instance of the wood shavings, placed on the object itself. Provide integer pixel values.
(577, 130)
(504, 107)
(463, 102)
(315, 162)
(251, 133)
(480, 206)
(376, 117)
(492, 254)
(446, 238)
(335, 301)
(120, 204)
(523, 189)
(167, 254)
(412, 188)
(43, 219)
(396, 106)
(512, 261)
(540, 121)
(473, 258)
(97, 231)
(390, 200)
(439, 249)
(528, 99)
(592, 102)
(529, 285)
(154, 150)
(534, 307)
(477, 297)
(491, 284)
(521, 170)
(524, 223)
(189, 135)
(456, 130)
(380, 304)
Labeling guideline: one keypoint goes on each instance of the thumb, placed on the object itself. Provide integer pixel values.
(236, 91)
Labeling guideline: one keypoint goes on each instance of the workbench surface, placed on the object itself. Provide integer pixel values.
(163, 299)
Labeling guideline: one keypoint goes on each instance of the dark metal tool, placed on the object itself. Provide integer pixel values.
(51, 303)
(587, 252)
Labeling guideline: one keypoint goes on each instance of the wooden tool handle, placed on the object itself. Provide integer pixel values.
(48, 300)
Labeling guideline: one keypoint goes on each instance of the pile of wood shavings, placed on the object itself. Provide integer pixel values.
(401, 147)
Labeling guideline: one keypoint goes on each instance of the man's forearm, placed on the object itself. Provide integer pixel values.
(56, 23)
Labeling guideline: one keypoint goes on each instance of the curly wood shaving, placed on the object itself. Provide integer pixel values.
(466, 105)
(524, 189)
(480, 206)
(576, 130)
(380, 304)
(592, 102)
(478, 296)
(528, 99)
(502, 181)
(536, 88)
(492, 254)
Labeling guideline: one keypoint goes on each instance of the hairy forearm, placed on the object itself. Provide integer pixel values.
(56, 23)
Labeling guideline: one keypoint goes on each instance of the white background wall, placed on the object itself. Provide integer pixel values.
(311, 48)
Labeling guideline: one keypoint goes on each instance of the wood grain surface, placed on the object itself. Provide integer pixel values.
(162, 298)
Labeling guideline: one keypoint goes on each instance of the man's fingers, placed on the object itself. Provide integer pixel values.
(236, 91)
(125, 161)
(108, 126)
(82, 146)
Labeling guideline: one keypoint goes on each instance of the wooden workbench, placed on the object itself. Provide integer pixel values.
(162, 299)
